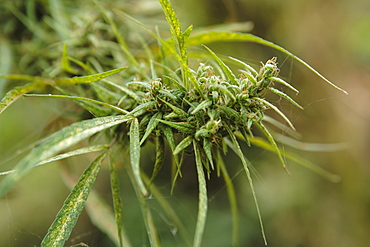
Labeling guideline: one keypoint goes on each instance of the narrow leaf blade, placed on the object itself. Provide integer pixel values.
(203, 198)
(135, 154)
(211, 37)
(67, 217)
(57, 142)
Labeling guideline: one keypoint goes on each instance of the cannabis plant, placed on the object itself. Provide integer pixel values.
(200, 104)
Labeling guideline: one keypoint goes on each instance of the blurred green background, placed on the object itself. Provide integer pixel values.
(301, 210)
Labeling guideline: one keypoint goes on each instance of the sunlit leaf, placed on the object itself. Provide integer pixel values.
(183, 144)
(80, 151)
(203, 198)
(57, 142)
(159, 157)
(67, 217)
(276, 110)
(135, 154)
(229, 74)
(282, 94)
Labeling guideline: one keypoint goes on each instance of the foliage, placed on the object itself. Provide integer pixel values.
(163, 97)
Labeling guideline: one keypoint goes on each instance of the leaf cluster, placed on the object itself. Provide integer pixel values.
(204, 110)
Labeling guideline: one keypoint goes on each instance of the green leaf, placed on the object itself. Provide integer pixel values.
(66, 66)
(175, 26)
(88, 78)
(246, 169)
(183, 144)
(250, 68)
(276, 110)
(180, 112)
(57, 142)
(159, 157)
(153, 123)
(281, 81)
(183, 127)
(67, 217)
(278, 92)
(167, 131)
(203, 105)
(211, 37)
(229, 74)
(135, 154)
(203, 198)
(208, 151)
(80, 151)
(14, 94)
(273, 143)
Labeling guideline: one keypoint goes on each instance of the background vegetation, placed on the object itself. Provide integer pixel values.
(301, 210)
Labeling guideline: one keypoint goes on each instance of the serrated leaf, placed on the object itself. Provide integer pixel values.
(229, 74)
(153, 123)
(183, 144)
(141, 109)
(276, 110)
(180, 112)
(208, 151)
(183, 127)
(159, 157)
(67, 217)
(80, 151)
(135, 154)
(87, 78)
(211, 37)
(250, 68)
(57, 142)
(174, 23)
(229, 112)
(202, 105)
(167, 131)
(282, 94)
(203, 198)
(281, 81)
(14, 94)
